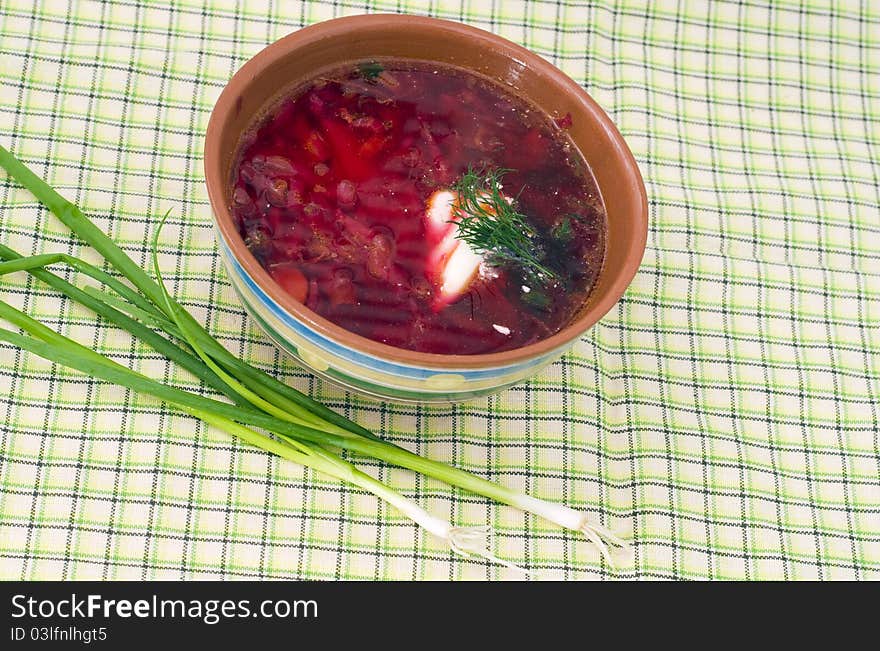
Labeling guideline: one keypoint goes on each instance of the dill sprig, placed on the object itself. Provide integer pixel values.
(493, 227)
(370, 70)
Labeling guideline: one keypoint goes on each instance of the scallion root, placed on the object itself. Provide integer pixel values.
(473, 541)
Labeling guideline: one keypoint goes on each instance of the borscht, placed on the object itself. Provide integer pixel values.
(421, 206)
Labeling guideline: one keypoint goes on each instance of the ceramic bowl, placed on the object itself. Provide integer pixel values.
(363, 365)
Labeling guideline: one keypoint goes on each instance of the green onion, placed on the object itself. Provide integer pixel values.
(306, 426)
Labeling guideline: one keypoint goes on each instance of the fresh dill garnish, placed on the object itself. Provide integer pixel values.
(493, 227)
(370, 70)
(537, 299)
(563, 231)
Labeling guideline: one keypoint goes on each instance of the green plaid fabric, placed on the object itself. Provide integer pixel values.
(724, 416)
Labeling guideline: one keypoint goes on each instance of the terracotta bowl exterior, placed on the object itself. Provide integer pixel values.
(363, 365)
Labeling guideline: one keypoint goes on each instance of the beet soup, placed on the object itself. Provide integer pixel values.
(421, 206)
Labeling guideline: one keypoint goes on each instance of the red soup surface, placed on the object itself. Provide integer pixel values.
(330, 194)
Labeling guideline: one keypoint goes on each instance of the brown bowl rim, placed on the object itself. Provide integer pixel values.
(226, 103)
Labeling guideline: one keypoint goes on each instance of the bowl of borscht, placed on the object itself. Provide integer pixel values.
(419, 210)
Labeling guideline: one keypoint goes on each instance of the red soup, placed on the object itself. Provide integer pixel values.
(353, 194)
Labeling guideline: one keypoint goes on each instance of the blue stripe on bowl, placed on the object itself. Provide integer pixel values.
(363, 359)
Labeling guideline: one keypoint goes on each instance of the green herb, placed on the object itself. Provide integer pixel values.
(537, 299)
(563, 231)
(307, 431)
(493, 227)
(371, 70)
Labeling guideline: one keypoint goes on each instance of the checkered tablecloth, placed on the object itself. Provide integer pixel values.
(723, 416)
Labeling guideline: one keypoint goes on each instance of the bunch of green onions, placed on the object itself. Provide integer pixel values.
(293, 426)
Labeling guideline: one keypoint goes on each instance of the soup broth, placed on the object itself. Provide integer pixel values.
(332, 191)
